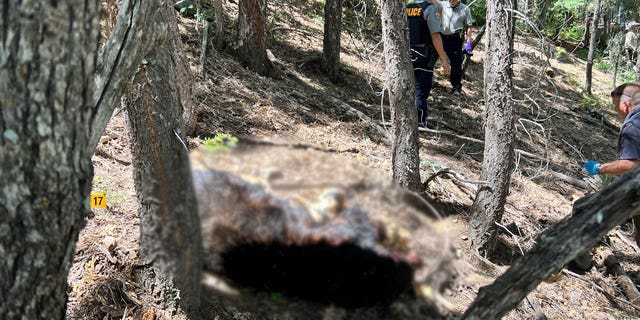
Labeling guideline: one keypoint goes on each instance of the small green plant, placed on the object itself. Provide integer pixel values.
(559, 52)
(188, 10)
(603, 65)
(591, 102)
(606, 179)
(429, 164)
(274, 296)
(628, 76)
(220, 142)
(114, 198)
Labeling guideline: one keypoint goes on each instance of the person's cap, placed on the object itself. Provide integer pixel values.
(633, 25)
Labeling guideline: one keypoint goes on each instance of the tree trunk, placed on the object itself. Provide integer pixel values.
(219, 29)
(497, 163)
(618, 48)
(586, 36)
(331, 41)
(120, 58)
(47, 65)
(184, 79)
(543, 10)
(252, 36)
(592, 218)
(400, 85)
(637, 69)
(592, 46)
(170, 228)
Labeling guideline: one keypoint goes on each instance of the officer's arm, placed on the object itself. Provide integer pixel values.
(436, 39)
(618, 167)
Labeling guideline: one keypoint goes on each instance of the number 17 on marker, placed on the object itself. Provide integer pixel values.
(98, 200)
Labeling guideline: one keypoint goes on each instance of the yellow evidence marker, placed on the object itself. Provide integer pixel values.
(98, 200)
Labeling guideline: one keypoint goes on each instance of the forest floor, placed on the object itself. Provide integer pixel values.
(557, 129)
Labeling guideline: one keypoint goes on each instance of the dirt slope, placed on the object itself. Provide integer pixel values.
(302, 107)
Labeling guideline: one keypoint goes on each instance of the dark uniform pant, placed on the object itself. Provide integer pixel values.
(453, 47)
(423, 60)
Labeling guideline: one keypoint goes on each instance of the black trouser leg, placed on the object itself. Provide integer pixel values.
(453, 48)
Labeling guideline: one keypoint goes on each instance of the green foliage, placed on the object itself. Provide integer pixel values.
(568, 5)
(629, 8)
(572, 33)
(478, 12)
(590, 102)
(603, 65)
(583, 53)
(274, 296)
(559, 52)
(628, 76)
(115, 198)
(220, 142)
(429, 164)
(188, 10)
(606, 179)
(273, 22)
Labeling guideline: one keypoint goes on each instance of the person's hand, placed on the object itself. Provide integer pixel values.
(592, 167)
(446, 68)
(468, 47)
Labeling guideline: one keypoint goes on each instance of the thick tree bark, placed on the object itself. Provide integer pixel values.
(592, 46)
(170, 227)
(592, 218)
(252, 36)
(120, 58)
(400, 85)
(183, 78)
(497, 163)
(47, 65)
(331, 40)
(219, 28)
(587, 29)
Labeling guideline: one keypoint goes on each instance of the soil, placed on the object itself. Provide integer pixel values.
(297, 110)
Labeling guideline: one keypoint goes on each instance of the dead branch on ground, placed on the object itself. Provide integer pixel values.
(593, 216)
(623, 280)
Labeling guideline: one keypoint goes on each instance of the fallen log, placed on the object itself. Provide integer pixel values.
(354, 244)
(593, 216)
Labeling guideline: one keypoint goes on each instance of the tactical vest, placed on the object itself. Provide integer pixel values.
(418, 29)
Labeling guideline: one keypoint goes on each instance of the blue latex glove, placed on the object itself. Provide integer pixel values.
(468, 47)
(592, 167)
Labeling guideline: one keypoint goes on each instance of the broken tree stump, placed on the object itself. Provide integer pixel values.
(310, 224)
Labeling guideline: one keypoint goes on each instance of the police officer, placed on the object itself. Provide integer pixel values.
(456, 27)
(426, 47)
(631, 43)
